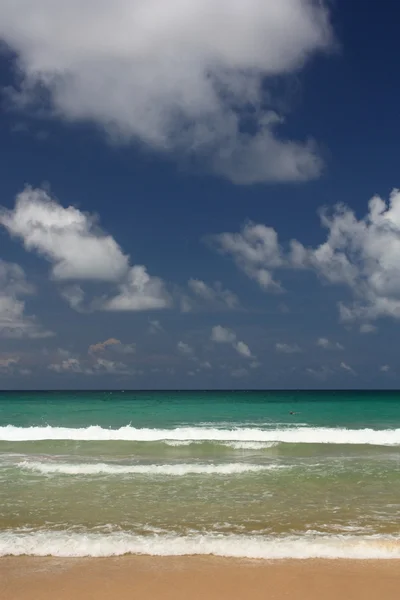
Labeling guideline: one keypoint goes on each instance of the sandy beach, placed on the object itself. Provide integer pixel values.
(180, 578)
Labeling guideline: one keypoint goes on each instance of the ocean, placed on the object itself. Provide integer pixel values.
(243, 474)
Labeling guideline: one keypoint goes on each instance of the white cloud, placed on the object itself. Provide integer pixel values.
(361, 254)
(385, 368)
(69, 365)
(347, 368)
(79, 249)
(100, 360)
(208, 297)
(101, 347)
(222, 335)
(200, 365)
(140, 291)
(185, 349)
(67, 237)
(98, 366)
(243, 349)
(328, 345)
(14, 323)
(182, 76)
(7, 365)
(10, 366)
(103, 366)
(111, 346)
(74, 296)
(287, 348)
(256, 251)
(125, 348)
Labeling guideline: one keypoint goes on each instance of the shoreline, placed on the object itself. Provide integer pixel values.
(180, 578)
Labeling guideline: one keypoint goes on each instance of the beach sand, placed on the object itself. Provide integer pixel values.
(195, 578)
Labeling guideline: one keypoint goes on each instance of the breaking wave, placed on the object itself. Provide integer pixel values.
(294, 435)
(72, 544)
(48, 468)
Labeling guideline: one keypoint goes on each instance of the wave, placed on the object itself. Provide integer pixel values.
(233, 445)
(72, 544)
(294, 435)
(179, 443)
(48, 468)
(250, 445)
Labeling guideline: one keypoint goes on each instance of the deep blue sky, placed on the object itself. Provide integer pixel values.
(160, 210)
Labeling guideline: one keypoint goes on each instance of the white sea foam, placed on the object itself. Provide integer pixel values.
(294, 435)
(48, 468)
(233, 445)
(72, 544)
(250, 445)
(177, 443)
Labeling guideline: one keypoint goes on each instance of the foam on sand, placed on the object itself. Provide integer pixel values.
(72, 544)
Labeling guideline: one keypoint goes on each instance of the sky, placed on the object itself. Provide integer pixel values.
(199, 194)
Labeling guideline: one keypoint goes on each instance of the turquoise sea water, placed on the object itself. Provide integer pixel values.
(252, 474)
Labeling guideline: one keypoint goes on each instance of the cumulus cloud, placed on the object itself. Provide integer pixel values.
(361, 254)
(328, 345)
(7, 365)
(10, 366)
(74, 296)
(111, 345)
(189, 353)
(189, 77)
(103, 366)
(68, 365)
(14, 322)
(97, 366)
(139, 291)
(125, 348)
(243, 349)
(211, 297)
(80, 250)
(66, 237)
(185, 349)
(223, 335)
(101, 359)
(101, 346)
(287, 348)
(256, 251)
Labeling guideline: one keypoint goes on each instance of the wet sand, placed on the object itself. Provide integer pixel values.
(195, 578)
